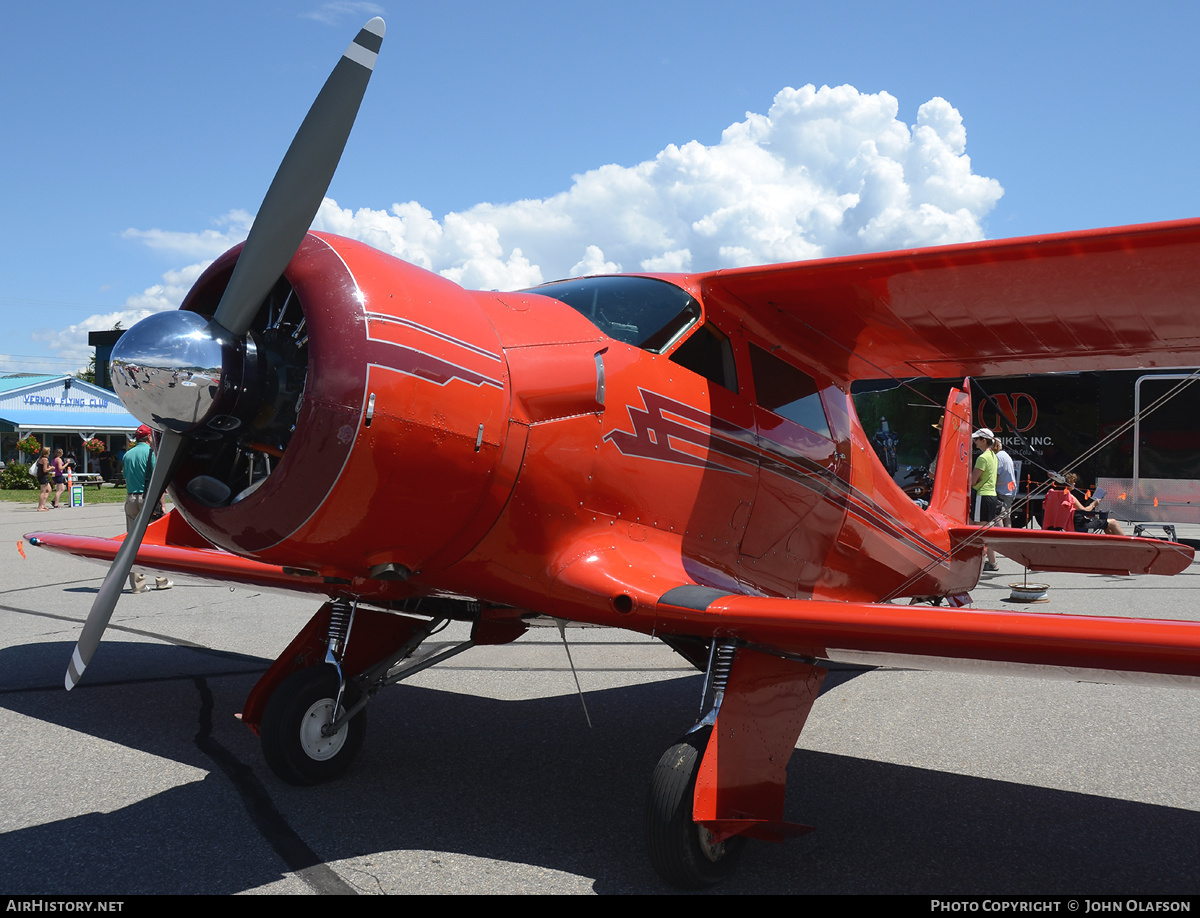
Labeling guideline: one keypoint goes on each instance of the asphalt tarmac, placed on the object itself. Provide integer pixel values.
(483, 776)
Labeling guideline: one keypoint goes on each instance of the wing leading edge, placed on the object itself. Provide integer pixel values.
(1095, 300)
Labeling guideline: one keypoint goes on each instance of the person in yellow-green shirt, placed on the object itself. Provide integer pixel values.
(983, 481)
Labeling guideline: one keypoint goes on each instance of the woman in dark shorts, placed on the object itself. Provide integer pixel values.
(58, 467)
(43, 477)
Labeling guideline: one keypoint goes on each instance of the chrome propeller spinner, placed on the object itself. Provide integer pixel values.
(173, 369)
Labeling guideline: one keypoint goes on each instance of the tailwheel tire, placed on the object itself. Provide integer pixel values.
(682, 852)
(292, 740)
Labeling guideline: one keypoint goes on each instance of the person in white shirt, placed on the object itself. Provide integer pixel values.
(1006, 482)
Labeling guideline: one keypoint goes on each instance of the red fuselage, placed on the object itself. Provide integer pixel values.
(489, 444)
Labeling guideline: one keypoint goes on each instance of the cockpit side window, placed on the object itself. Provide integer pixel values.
(642, 311)
(709, 352)
(788, 391)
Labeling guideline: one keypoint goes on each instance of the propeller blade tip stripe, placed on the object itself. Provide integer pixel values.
(365, 47)
(75, 669)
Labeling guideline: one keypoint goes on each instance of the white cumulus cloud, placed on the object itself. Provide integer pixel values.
(208, 244)
(829, 171)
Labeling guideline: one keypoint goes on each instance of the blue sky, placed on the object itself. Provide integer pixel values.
(128, 118)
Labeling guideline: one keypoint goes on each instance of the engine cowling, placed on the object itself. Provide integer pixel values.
(368, 436)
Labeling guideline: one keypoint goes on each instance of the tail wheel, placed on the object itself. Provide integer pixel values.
(294, 744)
(684, 853)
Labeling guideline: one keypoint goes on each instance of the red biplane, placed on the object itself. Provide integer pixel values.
(674, 454)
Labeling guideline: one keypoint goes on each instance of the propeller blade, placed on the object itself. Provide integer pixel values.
(170, 452)
(299, 186)
(284, 217)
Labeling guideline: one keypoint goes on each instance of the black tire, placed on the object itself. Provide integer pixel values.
(679, 849)
(291, 742)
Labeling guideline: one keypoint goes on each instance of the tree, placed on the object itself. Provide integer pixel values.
(88, 373)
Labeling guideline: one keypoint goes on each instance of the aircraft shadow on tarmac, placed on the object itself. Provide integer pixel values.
(527, 782)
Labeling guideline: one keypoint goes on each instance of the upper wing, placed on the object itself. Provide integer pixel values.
(1095, 300)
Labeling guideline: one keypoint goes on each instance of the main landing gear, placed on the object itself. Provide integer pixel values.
(310, 713)
(719, 785)
(724, 781)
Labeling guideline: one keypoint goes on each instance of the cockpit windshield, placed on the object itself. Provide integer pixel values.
(642, 311)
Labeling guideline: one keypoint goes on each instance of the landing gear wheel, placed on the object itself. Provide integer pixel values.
(293, 743)
(684, 853)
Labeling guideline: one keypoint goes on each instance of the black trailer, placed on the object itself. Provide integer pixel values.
(1089, 423)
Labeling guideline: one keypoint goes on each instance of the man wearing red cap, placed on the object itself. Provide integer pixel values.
(139, 465)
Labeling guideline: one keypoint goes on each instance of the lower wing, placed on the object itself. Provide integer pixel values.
(1074, 647)
(172, 546)
(632, 579)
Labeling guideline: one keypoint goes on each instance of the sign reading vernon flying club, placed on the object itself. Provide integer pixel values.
(61, 394)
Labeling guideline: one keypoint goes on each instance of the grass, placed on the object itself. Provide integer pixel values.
(90, 496)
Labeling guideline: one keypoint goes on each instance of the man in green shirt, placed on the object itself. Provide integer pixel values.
(139, 466)
(983, 480)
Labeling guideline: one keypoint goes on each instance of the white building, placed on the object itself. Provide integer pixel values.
(62, 413)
